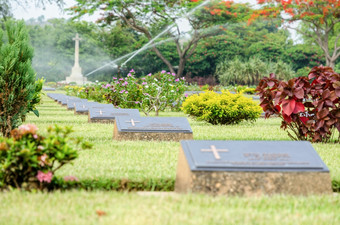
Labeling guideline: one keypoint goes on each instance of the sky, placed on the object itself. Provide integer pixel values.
(50, 11)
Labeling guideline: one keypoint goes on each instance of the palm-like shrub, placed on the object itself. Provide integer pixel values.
(237, 72)
(282, 70)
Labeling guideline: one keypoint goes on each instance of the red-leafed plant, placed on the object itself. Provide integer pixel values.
(309, 106)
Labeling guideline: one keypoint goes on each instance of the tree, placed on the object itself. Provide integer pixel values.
(320, 18)
(262, 39)
(5, 9)
(303, 55)
(152, 18)
(117, 40)
(17, 78)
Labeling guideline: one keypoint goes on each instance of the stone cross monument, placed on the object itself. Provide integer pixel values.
(76, 75)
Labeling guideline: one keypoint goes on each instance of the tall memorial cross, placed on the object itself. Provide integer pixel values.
(76, 74)
(215, 151)
(76, 50)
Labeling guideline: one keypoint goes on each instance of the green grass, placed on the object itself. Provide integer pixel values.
(79, 207)
(141, 161)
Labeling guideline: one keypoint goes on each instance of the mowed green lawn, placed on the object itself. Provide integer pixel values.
(140, 161)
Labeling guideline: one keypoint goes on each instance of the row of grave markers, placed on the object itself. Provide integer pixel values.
(128, 124)
(218, 167)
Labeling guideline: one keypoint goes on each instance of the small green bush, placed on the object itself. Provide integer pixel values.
(225, 108)
(19, 92)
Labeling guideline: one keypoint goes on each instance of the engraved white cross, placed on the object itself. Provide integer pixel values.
(215, 151)
(100, 112)
(132, 122)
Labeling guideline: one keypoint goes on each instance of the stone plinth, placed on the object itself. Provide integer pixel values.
(194, 175)
(80, 113)
(76, 76)
(152, 129)
(82, 108)
(108, 114)
(150, 136)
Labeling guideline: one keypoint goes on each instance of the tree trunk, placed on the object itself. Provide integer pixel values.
(160, 55)
(330, 61)
(181, 67)
(331, 64)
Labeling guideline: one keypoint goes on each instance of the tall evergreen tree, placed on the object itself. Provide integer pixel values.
(17, 78)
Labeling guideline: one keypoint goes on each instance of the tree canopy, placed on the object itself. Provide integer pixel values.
(321, 20)
(154, 19)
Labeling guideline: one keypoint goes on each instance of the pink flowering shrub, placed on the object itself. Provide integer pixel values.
(29, 160)
(44, 177)
(70, 178)
(150, 93)
(154, 92)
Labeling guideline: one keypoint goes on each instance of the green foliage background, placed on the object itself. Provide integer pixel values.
(54, 47)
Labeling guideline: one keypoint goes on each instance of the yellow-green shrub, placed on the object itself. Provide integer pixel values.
(245, 90)
(225, 108)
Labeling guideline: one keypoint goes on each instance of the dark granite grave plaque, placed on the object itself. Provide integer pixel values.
(152, 128)
(83, 107)
(154, 124)
(52, 95)
(251, 167)
(71, 102)
(56, 97)
(66, 99)
(252, 156)
(48, 89)
(62, 99)
(108, 115)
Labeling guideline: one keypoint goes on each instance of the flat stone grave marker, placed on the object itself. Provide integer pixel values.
(71, 102)
(56, 96)
(82, 108)
(63, 101)
(48, 89)
(251, 168)
(52, 95)
(152, 128)
(108, 115)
